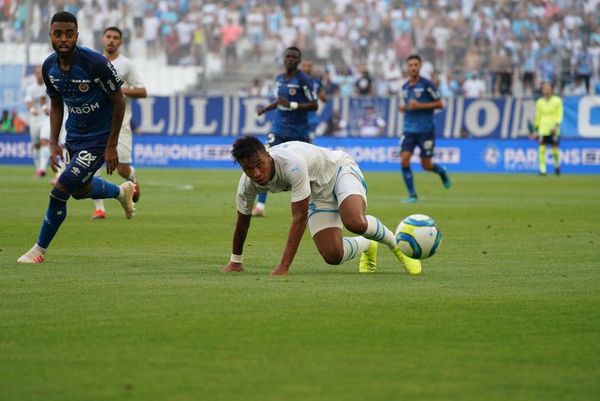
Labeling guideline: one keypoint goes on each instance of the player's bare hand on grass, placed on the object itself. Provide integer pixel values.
(233, 267)
(111, 159)
(280, 271)
(56, 155)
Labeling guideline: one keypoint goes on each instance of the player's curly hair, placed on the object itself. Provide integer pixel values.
(246, 147)
(63, 16)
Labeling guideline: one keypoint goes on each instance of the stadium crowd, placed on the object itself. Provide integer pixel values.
(471, 47)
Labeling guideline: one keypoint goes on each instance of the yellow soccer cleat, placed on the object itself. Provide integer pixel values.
(412, 266)
(368, 259)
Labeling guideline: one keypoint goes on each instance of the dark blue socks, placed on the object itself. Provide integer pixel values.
(408, 180)
(55, 215)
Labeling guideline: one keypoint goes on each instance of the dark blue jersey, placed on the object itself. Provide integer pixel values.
(290, 123)
(419, 121)
(85, 90)
(313, 117)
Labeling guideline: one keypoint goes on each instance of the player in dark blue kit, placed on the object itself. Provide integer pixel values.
(317, 88)
(421, 98)
(89, 86)
(295, 98)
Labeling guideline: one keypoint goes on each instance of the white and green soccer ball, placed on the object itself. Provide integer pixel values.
(418, 236)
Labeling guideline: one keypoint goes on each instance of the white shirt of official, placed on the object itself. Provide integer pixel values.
(304, 169)
(131, 79)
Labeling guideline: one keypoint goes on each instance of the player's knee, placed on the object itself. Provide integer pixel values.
(356, 224)
(333, 257)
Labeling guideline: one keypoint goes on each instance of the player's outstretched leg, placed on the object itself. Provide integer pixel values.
(443, 173)
(55, 215)
(377, 231)
(408, 177)
(99, 211)
(542, 159)
(126, 198)
(259, 208)
(556, 156)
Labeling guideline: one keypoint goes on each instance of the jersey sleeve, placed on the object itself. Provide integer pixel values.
(28, 95)
(306, 85)
(246, 193)
(296, 174)
(134, 80)
(107, 77)
(433, 91)
(50, 89)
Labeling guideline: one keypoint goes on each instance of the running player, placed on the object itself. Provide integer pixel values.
(133, 87)
(39, 123)
(313, 118)
(328, 192)
(89, 86)
(295, 98)
(421, 98)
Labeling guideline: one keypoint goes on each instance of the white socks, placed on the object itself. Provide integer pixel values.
(380, 233)
(99, 204)
(44, 157)
(354, 246)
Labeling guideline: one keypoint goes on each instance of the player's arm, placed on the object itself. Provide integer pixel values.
(136, 93)
(559, 117)
(137, 88)
(110, 153)
(57, 110)
(239, 238)
(297, 227)
(263, 110)
(435, 103)
(538, 117)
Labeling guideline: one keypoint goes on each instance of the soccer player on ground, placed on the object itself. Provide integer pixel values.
(90, 87)
(548, 117)
(133, 87)
(295, 98)
(328, 192)
(421, 98)
(39, 122)
(313, 118)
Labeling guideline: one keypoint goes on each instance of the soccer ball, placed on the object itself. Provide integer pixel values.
(418, 236)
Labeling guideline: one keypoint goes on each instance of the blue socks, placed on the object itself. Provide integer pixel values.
(102, 189)
(55, 215)
(262, 197)
(408, 180)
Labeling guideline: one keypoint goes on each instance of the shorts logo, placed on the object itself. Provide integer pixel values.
(85, 158)
(76, 171)
(292, 91)
(84, 87)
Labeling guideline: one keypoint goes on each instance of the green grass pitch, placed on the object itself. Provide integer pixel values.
(509, 309)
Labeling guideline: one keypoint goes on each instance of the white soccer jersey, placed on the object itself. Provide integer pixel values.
(131, 79)
(304, 169)
(36, 94)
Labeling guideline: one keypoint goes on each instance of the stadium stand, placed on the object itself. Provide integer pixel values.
(471, 47)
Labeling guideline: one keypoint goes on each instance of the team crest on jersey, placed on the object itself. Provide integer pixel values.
(84, 88)
(292, 91)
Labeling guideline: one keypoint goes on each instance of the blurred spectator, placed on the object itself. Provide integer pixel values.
(473, 86)
(11, 123)
(371, 124)
(530, 38)
(335, 126)
(364, 83)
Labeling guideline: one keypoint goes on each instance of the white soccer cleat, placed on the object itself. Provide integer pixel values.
(126, 198)
(34, 255)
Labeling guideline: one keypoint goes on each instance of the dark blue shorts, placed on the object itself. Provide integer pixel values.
(425, 142)
(274, 139)
(83, 160)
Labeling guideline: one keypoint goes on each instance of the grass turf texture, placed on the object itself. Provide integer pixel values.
(137, 310)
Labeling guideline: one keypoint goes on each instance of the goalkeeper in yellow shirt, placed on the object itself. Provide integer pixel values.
(548, 117)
